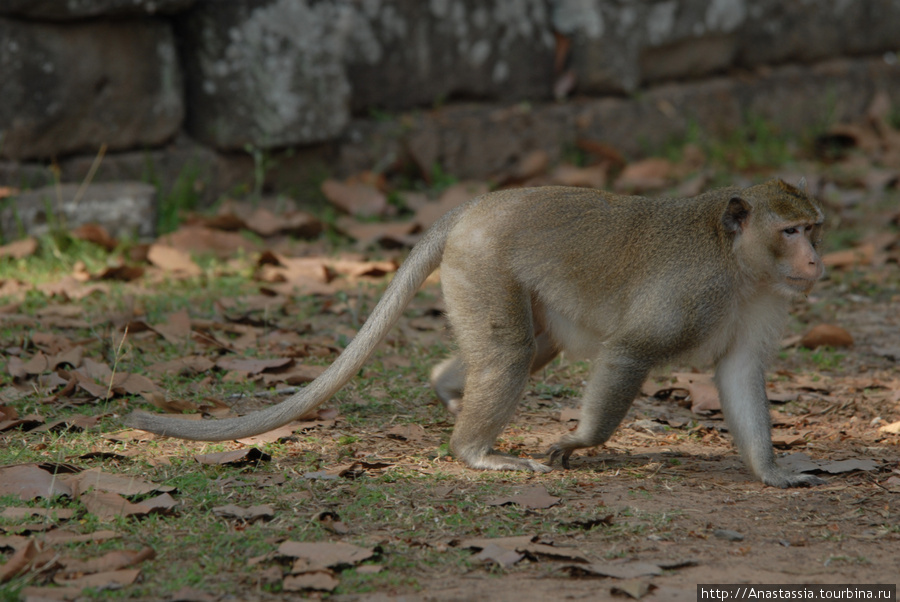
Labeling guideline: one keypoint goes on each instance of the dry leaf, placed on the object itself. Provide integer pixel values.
(298, 223)
(531, 165)
(586, 177)
(840, 466)
(250, 514)
(111, 561)
(20, 248)
(321, 580)
(296, 374)
(862, 255)
(332, 522)
(28, 482)
(98, 480)
(61, 536)
(702, 391)
(96, 234)
(801, 462)
(172, 406)
(45, 594)
(826, 335)
(412, 432)
(325, 554)
(357, 269)
(53, 513)
(172, 260)
(451, 198)
(645, 175)
(604, 152)
(111, 505)
(288, 269)
(892, 428)
(623, 569)
(125, 383)
(786, 440)
(252, 365)
(238, 457)
(503, 557)
(108, 579)
(386, 234)
(636, 588)
(184, 366)
(512, 543)
(19, 561)
(358, 199)
(177, 327)
(526, 545)
(197, 239)
(76, 423)
(279, 434)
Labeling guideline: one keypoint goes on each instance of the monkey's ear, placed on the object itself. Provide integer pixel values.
(736, 215)
(802, 185)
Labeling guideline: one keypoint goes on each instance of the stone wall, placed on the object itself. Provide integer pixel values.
(165, 83)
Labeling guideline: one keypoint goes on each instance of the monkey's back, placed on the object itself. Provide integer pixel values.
(630, 254)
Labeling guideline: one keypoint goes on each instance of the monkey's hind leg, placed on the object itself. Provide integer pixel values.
(613, 385)
(497, 346)
(448, 379)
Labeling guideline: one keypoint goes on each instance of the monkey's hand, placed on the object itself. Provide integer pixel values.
(783, 479)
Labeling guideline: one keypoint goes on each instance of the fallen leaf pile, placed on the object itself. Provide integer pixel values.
(37, 546)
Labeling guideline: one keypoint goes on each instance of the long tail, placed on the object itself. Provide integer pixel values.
(424, 258)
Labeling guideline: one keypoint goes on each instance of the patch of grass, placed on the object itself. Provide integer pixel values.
(440, 179)
(184, 195)
(824, 358)
(756, 144)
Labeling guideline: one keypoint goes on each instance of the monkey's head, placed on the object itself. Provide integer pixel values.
(777, 230)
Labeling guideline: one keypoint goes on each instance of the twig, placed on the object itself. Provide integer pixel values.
(90, 175)
(116, 364)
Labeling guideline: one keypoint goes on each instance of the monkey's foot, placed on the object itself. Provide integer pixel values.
(496, 461)
(454, 406)
(560, 454)
(784, 479)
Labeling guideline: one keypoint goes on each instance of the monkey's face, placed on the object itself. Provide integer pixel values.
(798, 264)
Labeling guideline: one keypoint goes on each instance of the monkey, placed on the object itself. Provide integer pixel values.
(628, 282)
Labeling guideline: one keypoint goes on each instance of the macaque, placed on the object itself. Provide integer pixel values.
(628, 282)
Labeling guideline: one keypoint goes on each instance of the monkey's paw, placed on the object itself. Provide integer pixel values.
(497, 461)
(560, 454)
(784, 479)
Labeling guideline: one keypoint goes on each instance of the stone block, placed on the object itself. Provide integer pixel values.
(265, 73)
(58, 10)
(486, 140)
(777, 31)
(410, 53)
(617, 47)
(69, 88)
(125, 209)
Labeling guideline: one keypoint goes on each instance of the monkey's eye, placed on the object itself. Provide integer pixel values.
(790, 231)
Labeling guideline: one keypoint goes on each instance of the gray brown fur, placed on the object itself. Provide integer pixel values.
(630, 283)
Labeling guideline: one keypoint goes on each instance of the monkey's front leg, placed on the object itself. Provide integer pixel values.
(740, 377)
(613, 385)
